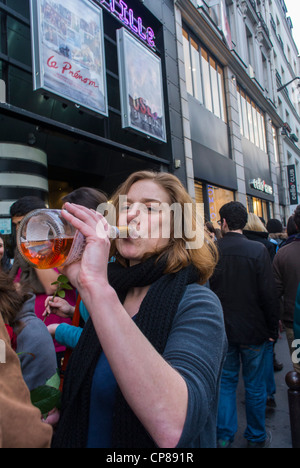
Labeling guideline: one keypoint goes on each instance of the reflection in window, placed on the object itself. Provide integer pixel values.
(276, 151)
(196, 71)
(206, 80)
(215, 88)
(217, 197)
(252, 121)
(204, 77)
(187, 63)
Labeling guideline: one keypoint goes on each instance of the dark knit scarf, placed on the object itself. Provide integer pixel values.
(154, 319)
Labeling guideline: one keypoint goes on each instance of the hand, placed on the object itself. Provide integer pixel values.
(59, 307)
(92, 269)
(52, 329)
(53, 417)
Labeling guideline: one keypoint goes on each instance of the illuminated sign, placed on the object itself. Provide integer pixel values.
(68, 52)
(141, 87)
(128, 18)
(292, 184)
(261, 186)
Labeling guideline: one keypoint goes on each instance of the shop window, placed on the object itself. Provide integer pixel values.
(261, 208)
(199, 197)
(217, 197)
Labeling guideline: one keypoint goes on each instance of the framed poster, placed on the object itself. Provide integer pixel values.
(141, 87)
(68, 51)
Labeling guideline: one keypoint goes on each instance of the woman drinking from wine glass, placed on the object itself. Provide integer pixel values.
(147, 368)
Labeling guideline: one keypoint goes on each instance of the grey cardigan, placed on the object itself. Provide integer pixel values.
(34, 338)
(197, 348)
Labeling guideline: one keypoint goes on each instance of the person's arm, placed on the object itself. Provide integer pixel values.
(47, 277)
(267, 293)
(59, 307)
(65, 334)
(196, 348)
(278, 276)
(20, 421)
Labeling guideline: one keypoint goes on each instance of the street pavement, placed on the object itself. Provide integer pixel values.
(278, 419)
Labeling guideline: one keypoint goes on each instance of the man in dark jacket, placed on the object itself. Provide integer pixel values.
(243, 281)
(286, 268)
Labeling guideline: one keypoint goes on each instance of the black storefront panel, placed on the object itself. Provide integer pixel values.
(257, 172)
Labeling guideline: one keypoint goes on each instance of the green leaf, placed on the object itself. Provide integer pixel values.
(67, 287)
(45, 398)
(55, 282)
(61, 294)
(63, 279)
(54, 381)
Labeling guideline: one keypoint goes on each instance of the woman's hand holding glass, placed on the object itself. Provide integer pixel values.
(92, 269)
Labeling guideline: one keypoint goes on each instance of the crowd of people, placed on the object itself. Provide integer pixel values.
(149, 342)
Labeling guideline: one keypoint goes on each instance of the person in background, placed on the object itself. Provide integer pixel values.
(20, 422)
(244, 283)
(256, 231)
(33, 343)
(4, 260)
(297, 316)
(39, 282)
(276, 234)
(291, 230)
(146, 370)
(286, 268)
(214, 233)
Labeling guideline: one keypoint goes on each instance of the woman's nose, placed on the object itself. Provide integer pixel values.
(133, 212)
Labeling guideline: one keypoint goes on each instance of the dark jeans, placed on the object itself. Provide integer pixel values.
(253, 368)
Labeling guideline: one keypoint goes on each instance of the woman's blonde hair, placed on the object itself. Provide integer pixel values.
(254, 224)
(176, 254)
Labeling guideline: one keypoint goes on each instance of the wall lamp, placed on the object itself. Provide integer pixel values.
(284, 86)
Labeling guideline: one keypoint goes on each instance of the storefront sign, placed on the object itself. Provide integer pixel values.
(68, 51)
(141, 87)
(261, 186)
(127, 16)
(292, 180)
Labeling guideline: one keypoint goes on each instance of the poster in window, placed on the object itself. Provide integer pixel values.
(68, 51)
(141, 87)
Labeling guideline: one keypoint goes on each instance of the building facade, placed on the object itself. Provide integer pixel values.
(238, 145)
(50, 143)
(229, 100)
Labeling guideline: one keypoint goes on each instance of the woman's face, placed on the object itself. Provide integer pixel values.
(1, 248)
(145, 209)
